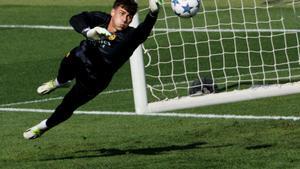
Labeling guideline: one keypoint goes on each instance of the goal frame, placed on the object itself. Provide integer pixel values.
(141, 100)
(142, 105)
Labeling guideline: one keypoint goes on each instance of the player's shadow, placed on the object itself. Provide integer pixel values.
(143, 151)
(258, 146)
(104, 152)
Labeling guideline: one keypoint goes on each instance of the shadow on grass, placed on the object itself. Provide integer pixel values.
(139, 151)
(260, 146)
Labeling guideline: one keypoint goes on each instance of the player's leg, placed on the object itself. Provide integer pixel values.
(66, 73)
(73, 99)
(78, 95)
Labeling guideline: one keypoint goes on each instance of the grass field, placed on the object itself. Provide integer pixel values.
(29, 57)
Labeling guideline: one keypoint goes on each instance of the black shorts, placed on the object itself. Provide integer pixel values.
(91, 79)
(89, 72)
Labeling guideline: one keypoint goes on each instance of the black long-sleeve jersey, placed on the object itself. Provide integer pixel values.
(113, 50)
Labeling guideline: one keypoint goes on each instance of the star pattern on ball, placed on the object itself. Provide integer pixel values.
(187, 8)
(175, 2)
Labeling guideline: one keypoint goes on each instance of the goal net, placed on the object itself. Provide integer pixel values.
(232, 50)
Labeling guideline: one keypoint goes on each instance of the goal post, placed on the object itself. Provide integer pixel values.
(138, 76)
(232, 50)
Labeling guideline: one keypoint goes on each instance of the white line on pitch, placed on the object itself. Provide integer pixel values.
(56, 98)
(56, 27)
(52, 27)
(186, 115)
(31, 101)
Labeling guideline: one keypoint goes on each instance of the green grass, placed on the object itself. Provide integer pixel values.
(144, 142)
(30, 57)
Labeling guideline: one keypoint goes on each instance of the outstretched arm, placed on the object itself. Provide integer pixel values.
(154, 5)
(144, 29)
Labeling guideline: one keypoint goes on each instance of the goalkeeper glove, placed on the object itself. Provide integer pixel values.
(154, 5)
(96, 32)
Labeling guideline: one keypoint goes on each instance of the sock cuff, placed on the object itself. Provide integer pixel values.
(56, 82)
(42, 125)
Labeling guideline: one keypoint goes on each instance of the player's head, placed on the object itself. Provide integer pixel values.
(129, 5)
(122, 13)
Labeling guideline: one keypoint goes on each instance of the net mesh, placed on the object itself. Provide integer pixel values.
(236, 43)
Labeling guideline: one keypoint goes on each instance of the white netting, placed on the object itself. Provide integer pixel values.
(235, 43)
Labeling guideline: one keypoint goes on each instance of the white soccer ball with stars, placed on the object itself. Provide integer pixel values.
(185, 8)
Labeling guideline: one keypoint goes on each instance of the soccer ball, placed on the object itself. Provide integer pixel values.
(185, 8)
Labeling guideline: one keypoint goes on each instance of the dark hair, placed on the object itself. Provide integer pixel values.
(129, 5)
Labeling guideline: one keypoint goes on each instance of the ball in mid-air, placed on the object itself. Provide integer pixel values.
(185, 8)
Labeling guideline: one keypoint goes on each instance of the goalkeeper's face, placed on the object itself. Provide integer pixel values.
(120, 18)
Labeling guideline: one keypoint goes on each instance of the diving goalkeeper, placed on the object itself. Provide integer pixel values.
(109, 43)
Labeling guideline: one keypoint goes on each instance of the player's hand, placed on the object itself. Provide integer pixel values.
(96, 32)
(154, 5)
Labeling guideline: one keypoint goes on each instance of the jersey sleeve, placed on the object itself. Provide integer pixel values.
(144, 29)
(84, 20)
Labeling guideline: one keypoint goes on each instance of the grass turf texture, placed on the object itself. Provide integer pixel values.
(31, 57)
(143, 142)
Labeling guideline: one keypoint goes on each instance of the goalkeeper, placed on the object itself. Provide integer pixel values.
(109, 43)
